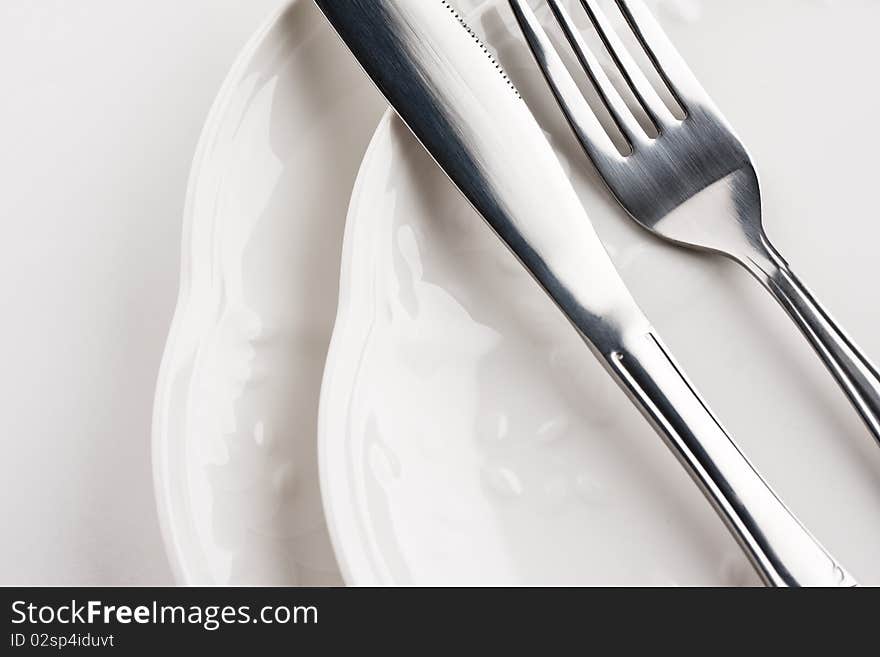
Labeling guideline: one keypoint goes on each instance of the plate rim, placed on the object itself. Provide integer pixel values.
(354, 564)
(158, 435)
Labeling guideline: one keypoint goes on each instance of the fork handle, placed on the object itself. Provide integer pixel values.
(850, 367)
(783, 552)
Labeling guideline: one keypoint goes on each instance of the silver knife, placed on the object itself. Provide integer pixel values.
(448, 89)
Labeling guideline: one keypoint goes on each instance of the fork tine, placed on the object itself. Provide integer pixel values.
(580, 116)
(669, 63)
(644, 91)
(610, 96)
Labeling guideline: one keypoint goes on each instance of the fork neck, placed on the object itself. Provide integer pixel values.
(763, 261)
(854, 372)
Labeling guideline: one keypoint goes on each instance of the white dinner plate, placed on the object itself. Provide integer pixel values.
(467, 436)
(234, 435)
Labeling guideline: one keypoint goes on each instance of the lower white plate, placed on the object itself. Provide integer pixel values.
(468, 437)
(235, 460)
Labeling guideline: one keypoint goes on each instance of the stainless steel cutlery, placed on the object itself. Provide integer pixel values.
(467, 114)
(692, 183)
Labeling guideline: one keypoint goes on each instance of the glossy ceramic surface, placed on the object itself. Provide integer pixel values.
(234, 442)
(467, 436)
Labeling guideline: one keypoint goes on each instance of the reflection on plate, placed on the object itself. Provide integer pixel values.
(468, 437)
(235, 418)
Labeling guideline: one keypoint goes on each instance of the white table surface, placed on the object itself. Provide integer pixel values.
(103, 102)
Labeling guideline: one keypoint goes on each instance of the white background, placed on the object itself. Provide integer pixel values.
(101, 107)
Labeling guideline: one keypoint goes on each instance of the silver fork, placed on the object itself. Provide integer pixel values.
(694, 166)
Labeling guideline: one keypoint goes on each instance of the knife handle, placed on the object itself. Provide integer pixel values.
(781, 549)
(848, 365)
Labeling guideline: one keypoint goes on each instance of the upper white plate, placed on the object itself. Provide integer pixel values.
(467, 436)
(235, 458)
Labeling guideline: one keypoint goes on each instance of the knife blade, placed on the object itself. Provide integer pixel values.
(453, 96)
